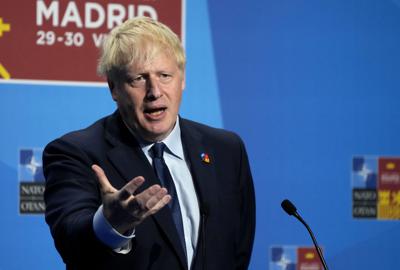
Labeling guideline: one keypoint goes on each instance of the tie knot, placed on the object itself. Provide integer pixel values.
(158, 150)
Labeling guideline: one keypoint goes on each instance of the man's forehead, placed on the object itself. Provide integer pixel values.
(157, 62)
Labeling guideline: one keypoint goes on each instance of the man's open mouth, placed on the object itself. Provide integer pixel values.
(155, 111)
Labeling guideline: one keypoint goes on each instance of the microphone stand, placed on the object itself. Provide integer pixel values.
(313, 239)
(291, 210)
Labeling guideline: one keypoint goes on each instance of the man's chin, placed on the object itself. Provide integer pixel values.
(155, 135)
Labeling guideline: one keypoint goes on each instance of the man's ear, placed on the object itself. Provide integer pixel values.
(112, 87)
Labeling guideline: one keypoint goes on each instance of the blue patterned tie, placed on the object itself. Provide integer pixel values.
(166, 180)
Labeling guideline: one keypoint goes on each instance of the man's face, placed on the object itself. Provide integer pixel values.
(149, 95)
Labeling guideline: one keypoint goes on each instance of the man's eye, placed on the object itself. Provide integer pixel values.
(139, 78)
(165, 76)
(136, 80)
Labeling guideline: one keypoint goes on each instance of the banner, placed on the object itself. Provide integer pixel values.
(59, 40)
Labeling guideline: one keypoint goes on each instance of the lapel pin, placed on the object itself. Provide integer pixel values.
(205, 158)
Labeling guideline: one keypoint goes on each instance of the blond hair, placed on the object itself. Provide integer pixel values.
(138, 40)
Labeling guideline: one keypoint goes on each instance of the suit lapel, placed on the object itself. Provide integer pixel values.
(129, 160)
(203, 172)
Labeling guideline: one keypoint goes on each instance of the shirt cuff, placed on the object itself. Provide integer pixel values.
(108, 235)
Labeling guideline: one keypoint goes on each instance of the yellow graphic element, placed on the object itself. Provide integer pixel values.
(4, 73)
(388, 212)
(4, 27)
(389, 204)
(384, 197)
(309, 256)
(390, 166)
(396, 197)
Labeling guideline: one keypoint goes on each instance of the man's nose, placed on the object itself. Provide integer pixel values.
(153, 88)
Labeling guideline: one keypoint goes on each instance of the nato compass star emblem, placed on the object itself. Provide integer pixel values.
(283, 258)
(30, 165)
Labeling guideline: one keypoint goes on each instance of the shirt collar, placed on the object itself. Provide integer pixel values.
(173, 142)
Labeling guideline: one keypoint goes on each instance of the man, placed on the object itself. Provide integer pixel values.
(144, 188)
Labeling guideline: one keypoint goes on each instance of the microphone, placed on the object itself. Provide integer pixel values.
(291, 210)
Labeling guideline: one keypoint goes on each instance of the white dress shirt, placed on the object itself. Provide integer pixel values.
(178, 166)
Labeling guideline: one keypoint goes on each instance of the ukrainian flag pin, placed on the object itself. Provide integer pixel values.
(205, 158)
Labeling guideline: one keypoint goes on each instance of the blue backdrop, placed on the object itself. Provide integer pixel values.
(307, 84)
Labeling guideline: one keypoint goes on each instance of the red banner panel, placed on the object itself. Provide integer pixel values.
(307, 259)
(59, 40)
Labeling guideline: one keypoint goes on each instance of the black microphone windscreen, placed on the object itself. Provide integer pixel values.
(289, 207)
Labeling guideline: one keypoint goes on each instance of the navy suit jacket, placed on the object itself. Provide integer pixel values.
(224, 188)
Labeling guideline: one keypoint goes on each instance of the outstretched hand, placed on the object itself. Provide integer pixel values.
(124, 209)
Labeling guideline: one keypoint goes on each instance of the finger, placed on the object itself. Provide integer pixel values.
(134, 184)
(158, 206)
(153, 200)
(129, 189)
(105, 185)
(148, 193)
(138, 203)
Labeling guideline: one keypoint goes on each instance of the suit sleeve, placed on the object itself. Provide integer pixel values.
(246, 233)
(72, 197)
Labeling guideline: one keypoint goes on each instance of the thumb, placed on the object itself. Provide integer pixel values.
(105, 185)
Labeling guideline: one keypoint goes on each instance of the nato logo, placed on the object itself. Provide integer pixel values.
(365, 172)
(30, 165)
(294, 258)
(283, 258)
(31, 182)
(364, 184)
